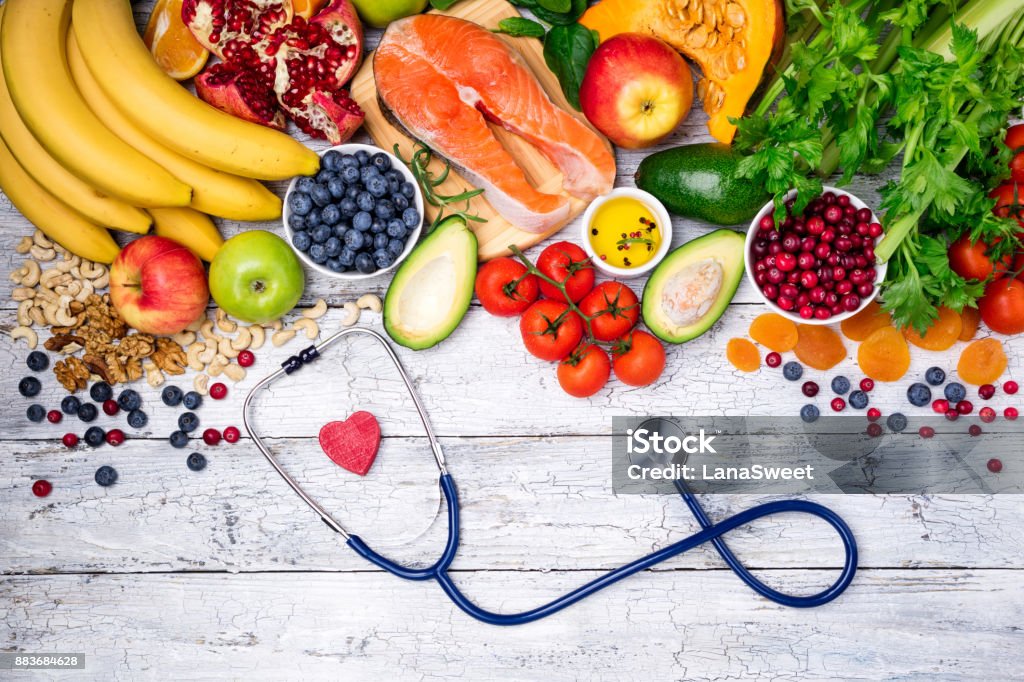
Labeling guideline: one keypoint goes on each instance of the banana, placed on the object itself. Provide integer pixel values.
(33, 41)
(220, 194)
(189, 228)
(60, 223)
(165, 110)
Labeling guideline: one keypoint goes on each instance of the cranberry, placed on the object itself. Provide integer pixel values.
(995, 465)
(774, 249)
(974, 430)
(775, 275)
(115, 437)
(965, 407)
(874, 414)
(1011, 413)
(1010, 387)
(791, 242)
(851, 302)
(785, 261)
(875, 230)
(773, 359)
(828, 198)
(952, 415)
(774, 236)
(986, 391)
(42, 488)
(926, 432)
(839, 273)
(793, 277)
(815, 225)
(865, 290)
(806, 312)
(761, 278)
(843, 200)
(822, 313)
(810, 389)
(54, 416)
(808, 244)
(844, 287)
(941, 406)
(246, 358)
(874, 430)
(767, 223)
(831, 299)
(987, 414)
(69, 440)
(838, 404)
(789, 290)
(818, 294)
(218, 391)
(833, 214)
(864, 215)
(770, 291)
(110, 407)
(867, 385)
(232, 434)
(807, 261)
(785, 302)
(862, 229)
(828, 236)
(211, 436)
(822, 250)
(803, 299)
(808, 280)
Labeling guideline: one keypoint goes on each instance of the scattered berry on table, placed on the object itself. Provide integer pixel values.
(37, 361)
(106, 476)
(874, 430)
(919, 395)
(137, 419)
(246, 358)
(232, 434)
(35, 412)
(809, 413)
(896, 422)
(188, 422)
(195, 462)
(171, 396)
(1011, 413)
(1010, 387)
(940, 406)
(115, 437)
(965, 407)
(926, 432)
(874, 414)
(88, 412)
(101, 391)
(974, 430)
(42, 488)
(987, 414)
(70, 405)
(95, 436)
(955, 392)
(129, 400)
(986, 391)
(952, 415)
(69, 440)
(110, 407)
(995, 465)
(29, 387)
(218, 391)
(192, 400)
(867, 385)
(810, 389)
(773, 359)
(838, 404)
(793, 371)
(211, 436)
(54, 416)
(936, 376)
(179, 439)
(840, 385)
(858, 400)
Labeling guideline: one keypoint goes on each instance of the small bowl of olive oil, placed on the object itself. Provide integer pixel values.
(626, 233)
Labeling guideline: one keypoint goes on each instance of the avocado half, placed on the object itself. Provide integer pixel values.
(431, 290)
(692, 287)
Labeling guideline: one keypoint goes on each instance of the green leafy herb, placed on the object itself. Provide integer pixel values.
(442, 4)
(520, 26)
(567, 50)
(419, 164)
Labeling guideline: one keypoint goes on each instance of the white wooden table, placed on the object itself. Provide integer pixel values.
(171, 574)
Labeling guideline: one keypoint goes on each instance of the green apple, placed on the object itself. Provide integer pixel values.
(256, 277)
(380, 13)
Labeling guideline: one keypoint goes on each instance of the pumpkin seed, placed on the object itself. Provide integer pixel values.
(697, 37)
(735, 15)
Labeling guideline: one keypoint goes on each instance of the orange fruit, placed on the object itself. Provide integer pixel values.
(173, 46)
(307, 8)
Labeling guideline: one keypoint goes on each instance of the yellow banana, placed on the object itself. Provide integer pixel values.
(220, 194)
(189, 228)
(165, 110)
(33, 41)
(60, 223)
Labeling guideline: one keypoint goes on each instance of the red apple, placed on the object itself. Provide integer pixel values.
(637, 90)
(158, 286)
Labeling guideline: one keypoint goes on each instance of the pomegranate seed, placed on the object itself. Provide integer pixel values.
(1011, 387)
(246, 358)
(974, 430)
(941, 406)
(810, 389)
(986, 391)
(54, 416)
(965, 407)
(995, 465)
(211, 436)
(1011, 413)
(218, 391)
(926, 432)
(867, 385)
(874, 414)
(773, 359)
(952, 415)
(232, 434)
(42, 488)
(874, 430)
(987, 414)
(69, 440)
(110, 407)
(115, 437)
(838, 404)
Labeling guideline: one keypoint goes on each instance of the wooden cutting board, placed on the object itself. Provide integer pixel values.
(496, 234)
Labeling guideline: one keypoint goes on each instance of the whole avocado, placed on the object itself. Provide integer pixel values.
(699, 181)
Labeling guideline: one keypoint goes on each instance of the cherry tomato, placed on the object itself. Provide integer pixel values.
(639, 358)
(1017, 168)
(971, 260)
(497, 289)
(613, 308)
(585, 371)
(1015, 137)
(566, 263)
(1002, 306)
(1009, 196)
(550, 330)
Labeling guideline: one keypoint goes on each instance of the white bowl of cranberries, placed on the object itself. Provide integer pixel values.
(818, 267)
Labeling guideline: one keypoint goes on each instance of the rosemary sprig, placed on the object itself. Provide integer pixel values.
(419, 164)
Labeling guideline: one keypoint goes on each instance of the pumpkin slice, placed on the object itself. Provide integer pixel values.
(733, 41)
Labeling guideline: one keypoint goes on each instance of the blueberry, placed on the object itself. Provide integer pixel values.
(137, 419)
(94, 436)
(792, 371)
(321, 234)
(362, 221)
(188, 422)
(340, 230)
(840, 385)
(35, 413)
(394, 185)
(349, 161)
(380, 242)
(333, 247)
(302, 241)
(106, 476)
(363, 157)
(70, 405)
(29, 387)
(101, 391)
(313, 219)
(354, 239)
(411, 218)
(37, 361)
(305, 185)
(400, 202)
(353, 192)
(347, 258)
(919, 395)
(350, 175)
(858, 400)
(88, 412)
(192, 400)
(331, 215)
(384, 209)
(377, 226)
(408, 191)
(896, 422)
(129, 400)
(337, 188)
(348, 208)
(195, 462)
(395, 248)
(394, 174)
(366, 173)
(955, 392)
(318, 254)
(299, 202)
(297, 222)
(810, 413)
(396, 229)
(365, 201)
(331, 160)
(377, 186)
(334, 265)
(320, 196)
(364, 264)
(324, 176)
(382, 259)
(935, 376)
(171, 395)
(381, 162)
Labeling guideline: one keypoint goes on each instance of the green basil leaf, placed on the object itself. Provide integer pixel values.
(560, 6)
(567, 50)
(442, 4)
(519, 26)
(571, 16)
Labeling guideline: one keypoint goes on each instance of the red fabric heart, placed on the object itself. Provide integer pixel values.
(353, 443)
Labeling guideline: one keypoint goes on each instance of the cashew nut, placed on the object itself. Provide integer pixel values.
(22, 294)
(154, 377)
(24, 245)
(32, 273)
(27, 333)
(276, 325)
(63, 315)
(225, 349)
(184, 338)
(208, 354)
(86, 292)
(224, 323)
(216, 368)
(71, 348)
(351, 314)
(192, 355)
(103, 281)
(53, 278)
(73, 289)
(259, 336)
(243, 339)
(196, 324)
(206, 329)
(317, 311)
(41, 240)
(23, 316)
(234, 372)
(282, 337)
(370, 302)
(199, 384)
(17, 275)
(310, 327)
(42, 254)
(50, 314)
(91, 270)
(66, 265)
(36, 313)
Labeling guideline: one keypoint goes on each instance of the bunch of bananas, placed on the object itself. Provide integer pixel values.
(94, 135)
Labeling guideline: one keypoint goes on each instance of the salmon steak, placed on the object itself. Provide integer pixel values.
(444, 79)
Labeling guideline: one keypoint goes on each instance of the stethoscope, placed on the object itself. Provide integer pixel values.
(710, 532)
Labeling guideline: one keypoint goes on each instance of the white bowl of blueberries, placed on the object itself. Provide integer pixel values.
(359, 216)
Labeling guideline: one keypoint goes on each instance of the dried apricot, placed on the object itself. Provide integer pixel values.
(885, 355)
(863, 324)
(971, 318)
(819, 347)
(743, 355)
(173, 46)
(982, 362)
(944, 332)
(774, 331)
